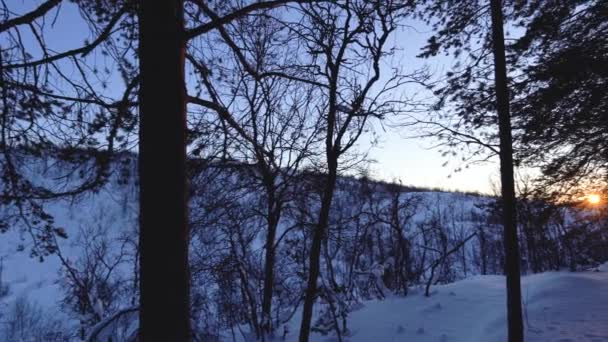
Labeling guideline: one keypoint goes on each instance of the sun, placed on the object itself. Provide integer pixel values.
(594, 198)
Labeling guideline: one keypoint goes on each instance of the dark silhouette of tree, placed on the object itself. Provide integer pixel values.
(554, 61)
(462, 27)
(164, 292)
(164, 312)
(267, 120)
(50, 113)
(507, 181)
(58, 130)
(342, 40)
(555, 53)
(560, 102)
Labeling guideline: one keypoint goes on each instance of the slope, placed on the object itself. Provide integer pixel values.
(559, 306)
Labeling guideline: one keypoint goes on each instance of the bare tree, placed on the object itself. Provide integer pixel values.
(97, 281)
(267, 121)
(345, 43)
(162, 169)
(398, 216)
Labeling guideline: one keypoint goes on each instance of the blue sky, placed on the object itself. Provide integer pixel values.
(397, 158)
(413, 160)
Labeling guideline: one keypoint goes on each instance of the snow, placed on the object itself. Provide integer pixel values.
(558, 306)
(113, 208)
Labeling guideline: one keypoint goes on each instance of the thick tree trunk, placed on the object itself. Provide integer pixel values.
(514, 314)
(164, 282)
(315, 252)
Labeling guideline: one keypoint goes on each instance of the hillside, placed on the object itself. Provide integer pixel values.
(559, 306)
(386, 243)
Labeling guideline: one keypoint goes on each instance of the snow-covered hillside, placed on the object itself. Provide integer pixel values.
(40, 288)
(558, 306)
(386, 242)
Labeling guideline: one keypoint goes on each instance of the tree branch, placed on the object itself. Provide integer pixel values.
(83, 51)
(219, 21)
(29, 17)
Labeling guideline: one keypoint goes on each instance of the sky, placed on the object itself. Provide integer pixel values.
(413, 163)
(413, 160)
(397, 157)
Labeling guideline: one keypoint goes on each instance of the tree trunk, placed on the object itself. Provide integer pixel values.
(514, 315)
(164, 283)
(483, 251)
(273, 222)
(315, 252)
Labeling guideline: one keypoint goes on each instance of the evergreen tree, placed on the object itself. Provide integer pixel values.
(560, 105)
(456, 23)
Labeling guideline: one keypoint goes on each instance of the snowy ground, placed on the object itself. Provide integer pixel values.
(559, 307)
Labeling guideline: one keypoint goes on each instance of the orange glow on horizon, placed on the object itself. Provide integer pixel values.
(594, 198)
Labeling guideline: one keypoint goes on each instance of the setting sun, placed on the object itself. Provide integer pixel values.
(594, 198)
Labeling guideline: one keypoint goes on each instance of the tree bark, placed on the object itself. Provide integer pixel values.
(273, 222)
(164, 286)
(514, 314)
(315, 249)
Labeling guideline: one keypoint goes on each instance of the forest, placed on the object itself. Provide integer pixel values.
(197, 170)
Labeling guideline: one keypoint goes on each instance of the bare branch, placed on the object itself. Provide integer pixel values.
(29, 17)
